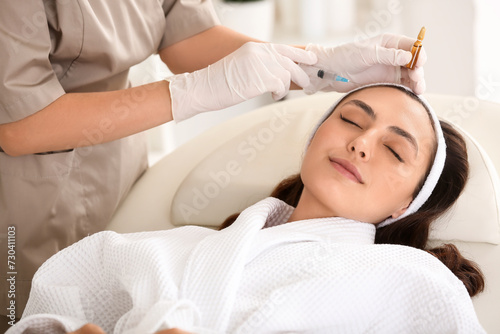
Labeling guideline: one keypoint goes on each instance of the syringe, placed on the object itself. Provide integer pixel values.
(330, 76)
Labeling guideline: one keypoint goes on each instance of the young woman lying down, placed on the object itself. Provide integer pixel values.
(339, 248)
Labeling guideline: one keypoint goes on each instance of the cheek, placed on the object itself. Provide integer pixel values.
(331, 136)
(398, 179)
(392, 189)
(327, 140)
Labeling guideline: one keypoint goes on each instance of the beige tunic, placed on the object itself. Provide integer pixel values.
(49, 48)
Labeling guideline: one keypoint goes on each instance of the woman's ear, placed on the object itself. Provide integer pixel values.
(399, 212)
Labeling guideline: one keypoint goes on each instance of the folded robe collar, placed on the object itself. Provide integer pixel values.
(332, 229)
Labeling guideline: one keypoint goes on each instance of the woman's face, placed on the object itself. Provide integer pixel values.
(366, 160)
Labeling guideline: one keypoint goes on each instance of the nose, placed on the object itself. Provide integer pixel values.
(361, 153)
(361, 148)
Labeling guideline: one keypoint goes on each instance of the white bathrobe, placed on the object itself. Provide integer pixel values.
(312, 276)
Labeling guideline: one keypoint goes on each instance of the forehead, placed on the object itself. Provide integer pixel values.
(391, 102)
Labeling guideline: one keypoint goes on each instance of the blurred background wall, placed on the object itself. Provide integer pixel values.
(462, 43)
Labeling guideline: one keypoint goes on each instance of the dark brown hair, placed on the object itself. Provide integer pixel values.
(413, 230)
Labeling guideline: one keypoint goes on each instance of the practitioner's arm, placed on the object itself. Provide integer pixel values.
(203, 49)
(83, 119)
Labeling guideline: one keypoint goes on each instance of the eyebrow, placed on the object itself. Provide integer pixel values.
(365, 107)
(395, 129)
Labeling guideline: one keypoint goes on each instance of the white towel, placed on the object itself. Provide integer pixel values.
(314, 276)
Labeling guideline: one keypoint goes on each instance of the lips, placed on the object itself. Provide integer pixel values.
(347, 169)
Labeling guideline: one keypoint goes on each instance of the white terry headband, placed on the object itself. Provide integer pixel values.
(437, 165)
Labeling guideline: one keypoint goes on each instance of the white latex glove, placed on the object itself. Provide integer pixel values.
(251, 70)
(375, 60)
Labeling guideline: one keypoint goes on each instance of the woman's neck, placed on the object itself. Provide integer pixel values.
(309, 208)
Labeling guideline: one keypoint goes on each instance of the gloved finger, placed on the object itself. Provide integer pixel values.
(385, 56)
(296, 54)
(414, 79)
(316, 83)
(417, 74)
(297, 74)
(420, 87)
(417, 87)
(275, 78)
(422, 58)
(281, 86)
(402, 57)
(403, 43)
(393, 41)
(418, 80)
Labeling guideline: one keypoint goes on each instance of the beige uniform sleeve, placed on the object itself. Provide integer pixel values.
(28, 81)
(185, 18)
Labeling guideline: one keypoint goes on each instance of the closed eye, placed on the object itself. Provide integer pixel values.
(395, 154)
(349, 121)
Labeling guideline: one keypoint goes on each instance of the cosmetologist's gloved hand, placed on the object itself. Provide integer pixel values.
(251, 70)
(374, 60)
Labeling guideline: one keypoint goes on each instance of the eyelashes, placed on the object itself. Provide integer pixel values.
(394, 153)
(349, 121)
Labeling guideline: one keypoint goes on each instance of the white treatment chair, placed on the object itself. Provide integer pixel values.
(237, 163)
